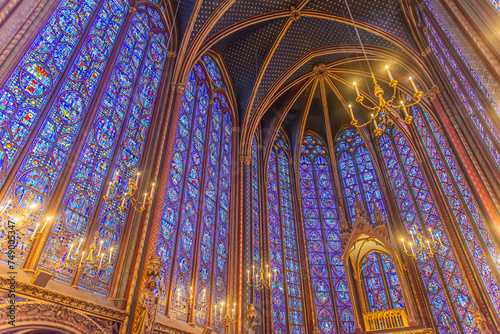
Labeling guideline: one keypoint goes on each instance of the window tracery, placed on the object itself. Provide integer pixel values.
(483, 124)
(116, 135)
(467, 216)
(198, 199)
(448, 295)
(332, 303)
(286, 292)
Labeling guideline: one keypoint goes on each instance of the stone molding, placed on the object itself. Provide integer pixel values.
(50, 296)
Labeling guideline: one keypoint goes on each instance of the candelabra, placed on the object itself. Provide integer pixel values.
(261, 280)
(20, 220)
(88, 262)
(113, 196)
(380, 111)
(420, 247)
(179, 308)
(225, 314)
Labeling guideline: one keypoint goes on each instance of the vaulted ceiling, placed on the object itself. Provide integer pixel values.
(270, 49)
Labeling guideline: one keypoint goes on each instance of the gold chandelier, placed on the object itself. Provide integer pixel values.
(422, 248)
(380, 111)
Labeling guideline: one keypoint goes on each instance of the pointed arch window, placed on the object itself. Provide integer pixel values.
(193, 242)
(381, 282)
(286, 293)
(64, 68)
(358, 174)
(256, 230)
(464, 207)
(332, 303)
(362, 190)
(450, 303)
(479, 116)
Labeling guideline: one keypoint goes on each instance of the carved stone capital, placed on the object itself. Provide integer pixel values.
(132, 10)
(432, 93)
(179, 87)
(171, 54)
(294, 13)
(246, 159)
(236, 129)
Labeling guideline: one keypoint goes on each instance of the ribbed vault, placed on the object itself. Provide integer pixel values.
(270, 50)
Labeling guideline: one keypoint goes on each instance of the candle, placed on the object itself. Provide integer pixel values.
(124, 200)
(46, 221)
(100, 262)
(152, 190)
(389, 72)
(215, 310)
(402, 106)
(440, 243)
(375, 122)
(404, 246)
(411, 247)
(36, 229)
(351, 112)
(79, 244)
(253, 271)
(100, 247)
(109, 189)
(117, 175)
(110, 253)
(432, 235)
(356, 88)
(81, 260)
(145, 197)
(137, 177)
(413, 84)
(248, 276)
(69, 253)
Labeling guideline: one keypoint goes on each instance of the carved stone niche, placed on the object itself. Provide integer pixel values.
(57, 318)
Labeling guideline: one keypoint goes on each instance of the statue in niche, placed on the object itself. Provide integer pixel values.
(379, 218)
(360, 209)
(145, 312)
(146, 309)
(253, 327)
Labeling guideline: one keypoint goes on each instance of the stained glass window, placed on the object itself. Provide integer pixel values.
(381, 282)
(286, 294)
(448, 295)
(197, 198)
(114, 140)
(256, 248)
(28, 89)
(332, 304)
(482, 85)
(358, 175)
(361, 185)
(483, 123)
(45, 160)
(464, 208)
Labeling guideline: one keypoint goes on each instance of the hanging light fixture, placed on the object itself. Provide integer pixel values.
(381, 109)
(420, 247)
